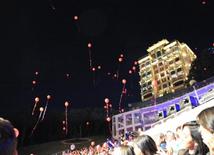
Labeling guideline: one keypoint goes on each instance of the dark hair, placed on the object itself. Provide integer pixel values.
(146, 144)
(206, 119)
(190, 124)
(193, 126)
(178, 128)
(8, 140)
(125, 150)
(134, 134)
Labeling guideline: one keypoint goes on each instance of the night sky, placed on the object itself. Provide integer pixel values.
(43, 36)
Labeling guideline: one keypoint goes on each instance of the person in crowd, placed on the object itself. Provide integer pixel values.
(98, 149)
(105, 148)
(123, 150)
(206, 120)
(192, 140)
(162, 142)
(145, 145)
(132, 136)
(178, 135)
(178, 132)
(92, 148)
(140, 132)
(8, 138)
(172, 146)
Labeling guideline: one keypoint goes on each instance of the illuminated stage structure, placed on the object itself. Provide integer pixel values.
(148, 117)
(165, 69)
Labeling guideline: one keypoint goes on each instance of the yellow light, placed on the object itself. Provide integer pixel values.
(160, 43)
(184, 54)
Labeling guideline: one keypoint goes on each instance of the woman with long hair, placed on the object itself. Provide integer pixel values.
(206, 120)
(145, 145)
(192, 140)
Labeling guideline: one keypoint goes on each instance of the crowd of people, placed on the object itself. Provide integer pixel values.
(191, 138)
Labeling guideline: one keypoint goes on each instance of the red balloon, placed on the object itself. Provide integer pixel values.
(120, 59)
(75, 17)
(135, 62)
(37, 99)
(108, 119)
(133, 68)
(121, 55)
(130, 71)
(34, 82)
(204, 2)
(106, 100)
(124, 81)
(93, 69)
(66, 103)
(41, 109)
(89, 45)
(48, 97)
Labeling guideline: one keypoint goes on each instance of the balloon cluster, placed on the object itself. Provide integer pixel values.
(34, 81)
(93, 68)
(133, 68)
(108, 108)
(42, 111)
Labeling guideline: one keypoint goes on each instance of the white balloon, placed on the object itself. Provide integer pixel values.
(72, 146)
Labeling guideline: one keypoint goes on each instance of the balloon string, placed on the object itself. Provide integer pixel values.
(34, 128)
(78, 28)
(94, 80)
(43, 115)
(66, 121)
(34, 107)
(121, 96)
(90, 59)
(118, 71)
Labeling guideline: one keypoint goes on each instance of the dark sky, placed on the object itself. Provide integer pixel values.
(41, 35)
